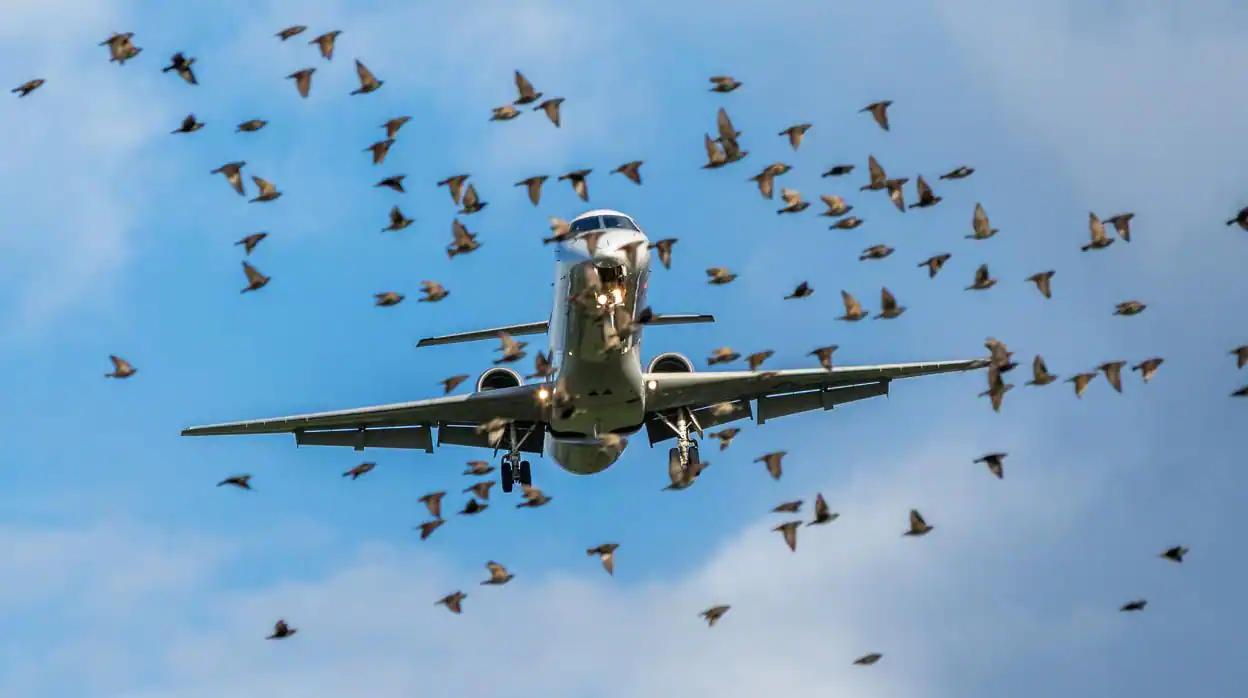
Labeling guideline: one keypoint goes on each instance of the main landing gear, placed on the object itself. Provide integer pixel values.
(514, 470)
(684, 458)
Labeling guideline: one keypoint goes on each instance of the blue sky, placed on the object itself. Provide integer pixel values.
(128, 574)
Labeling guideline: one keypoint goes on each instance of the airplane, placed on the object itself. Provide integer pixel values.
(598, 394)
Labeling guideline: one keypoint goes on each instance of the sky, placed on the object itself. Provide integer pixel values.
(127, 573)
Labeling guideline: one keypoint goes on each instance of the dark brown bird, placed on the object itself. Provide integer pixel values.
(379, 150)
(455, 184)
(982, 281)
(877, 178)
(722, 355)
(1240, 219)
(251, 126)
(981, 228)
(926, 196)
(427, 528)
(846, 223)
(934, 264)
(433, 291)
(1043, 282)
(1040, 372)
(795, 133)
(121, 47)
(875, 252)
(960, 172)
(368, 81)
(525, 88)
(552, 107)
(249, 243)
(121, 368)
(1136, 605)
(879, 112)
(242, 482)
(325, 42)
(290, 31)
(462, 240)
(792, 507)
(394, 182)
(889, 308)
(803, 290)
(766, 180)
(1096, 229)
(533, 498)
(773, 462)
(386, 299)
(579, 184)
(853, 309)
(1113, 373)
(997, 388)
(724, 83)
(478, 467)
(755, 360)
(268, 190)
(724, 436)
(1081, 381)
(1241, 356)
(720, 276)
(995, 463)
(397, 220)
(1148, 367)
(542, 366)
(453, 602)
(792, 201)
(281, 630)
(480, 490)
(188, 125)
(452, 382)
(1242, 392)
(27, 87)
(511, 349)
(836, 205)
(392, 126)
(1122, 224)
(182, 65)
(1175, 554)
(534, 187)
(918, 527)
(713, 614)
(631, 170)
(664, 248)
(788, 529)
(255, 280)
(498, 574)
(504, 113)
(361, 469)
(605, 553)
(896, 194)
(471, 202)
(233, 174)
(868, 659)
(823, 514)
(825, 355)
(433, 502)
(1129, 308)
(838, 170)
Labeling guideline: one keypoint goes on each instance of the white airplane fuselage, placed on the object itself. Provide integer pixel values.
(604, 373)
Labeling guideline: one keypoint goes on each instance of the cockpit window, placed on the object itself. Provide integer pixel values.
(618, 222)
(585, 224)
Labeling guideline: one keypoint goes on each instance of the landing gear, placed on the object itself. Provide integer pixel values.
(506, 474)
(684, 458)
(526, 476)
(513, 470)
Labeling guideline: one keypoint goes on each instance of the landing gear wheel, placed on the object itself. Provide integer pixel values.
(694, 458)
(526, 476)
(505, 472)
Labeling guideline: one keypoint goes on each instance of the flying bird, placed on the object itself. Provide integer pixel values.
(455, 185)
(578, 181)
(918, 527)
(836, 205)
(233, 174)
(823, 514)
(853, 310)
(792, 507)
(755, 360)
(788, 529)
(719, 276)
(180, 63)
(934, 264)
(1096, 230)
(846, 223)
(838, 170)
(397, 221)
(121, 47)
(533, 497)
(433, 502)
(392, 126)
(879, 112)
(361, 469)
(1122, 224)
(255, 280)
(983, 281)
(379, 150)
(427, 528)
(1136, 605)
(462, 240)
(1113, 373)
(471, 202)
(1040, 372)
(824, 354)
(724, 436)
(773, 462)
(450, 383)
(268, 191)
(394, 182)
(504, 113)
(325, 42)
(242, 482)
(251, 126)
(803, 290)
(724, 83)
(792, 201)
(664, 248)
(188, 125)
(1175, 554)
(27, 87)
(896, 194)
(631, 170)
(533, 186)
(552, 107)
(1241, 356)
(982, 229)
(290, 31)
(722, 355)
(1043, 282)
(1081, 381)
(868, 659)
(249, 243)
(478, 467)
(889, 308)
(766, 180)
(121, 368)
(605, 553)
(713, 614)
(1148, 367)
(960, 172)
(1129, 308)
(511, 349)
(386, 299)
(433, 292)
(453, 602)
(875, 252)
(1240, 219)
(368, 81)
(525, 88)
(480, 490)
(795, 134)
(498, 574)
(281, 630)
(926, 196)
(877, 179)
(995, 463)
(472, 506)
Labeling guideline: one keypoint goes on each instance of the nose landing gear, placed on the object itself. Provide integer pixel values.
(514, 470)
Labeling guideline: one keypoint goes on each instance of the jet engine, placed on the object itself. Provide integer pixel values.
(498, 377)
(670, 362)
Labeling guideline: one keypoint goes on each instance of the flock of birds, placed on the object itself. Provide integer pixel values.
(721, 151)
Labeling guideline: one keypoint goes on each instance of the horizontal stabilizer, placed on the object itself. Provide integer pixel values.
(680, 319)
(513, 330)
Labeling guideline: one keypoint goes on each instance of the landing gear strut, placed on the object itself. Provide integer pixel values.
(686, 451)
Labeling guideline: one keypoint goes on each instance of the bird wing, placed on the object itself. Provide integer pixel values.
(724, 124)
(877, 171)
(366, 75)
(524, 86)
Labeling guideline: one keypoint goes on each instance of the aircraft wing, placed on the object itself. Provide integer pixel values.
(780, 393)
(400, 425)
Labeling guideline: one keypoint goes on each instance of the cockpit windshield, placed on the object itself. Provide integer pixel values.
(586, 224)
(617, 222)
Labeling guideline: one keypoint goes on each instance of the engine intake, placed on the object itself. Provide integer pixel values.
(670, 362)
(499, 377)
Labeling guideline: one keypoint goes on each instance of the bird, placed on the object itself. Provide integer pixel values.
(303, 80)
(427, 528)
(480, 490)
(450, 383)
(766, 179)
(728, 135)
(836, 205)
(368, 81)
(392, 126)
(472, 506)
(1081, 381)
(498, 574)
(533, 498)
(720, 276)
(1122, 224)
(478, 467)
(879, 112)
(325, 42)
(242, 482)
(121, 47)
(552, 107)
(379, 150)
(534, 187)
(455, 185)
(255, 280)
(180, 63)
(433, 502)
(982, 229)
(792, 507)
(121, 368)
(397, 220)
(188, 125)
(713, 614)
(982, 279)
(578, 181)
(888, 306)
(788, 529)
(525, 88)
(471, 202)
(1174, 554)
(1113, 373)
(251, 126)
(605, 553)
(795, 133)
(1040, 372)
(664, 248)
(824, 354)
(853, 310)
(895, 192)
(1241, 356)
(877, 179)
(1240, 219)
(846, 223)
(1043, 282)
(233, 174)
(268, 190)
(361, 469)
(510, 348)
(838, 170)
(386, 299)
(792, 201)
(868, 659)
(918, 527)
(453, 602)
(960, 172)
(290, 31)
(543, 365)
(1148, 367)
(823, 514)
(724, 83)
(724, 436)
(462, 240)
(875, 252)
(773, 462)
(1129, 308)
(27, 87)
(394, 182)
(997, 388)
(1241, 392)
(803, 290)
(934, 264)
(1136, 605)
(433, 291)
(504, 113)
(281, 631)
(722, 355)
(995, 464)
(249, 243)
(631, 170)
(1096, 229)
(755, 360)
(926, 196)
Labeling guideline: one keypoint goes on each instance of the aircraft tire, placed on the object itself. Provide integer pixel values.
(526, 475)
(505, 473)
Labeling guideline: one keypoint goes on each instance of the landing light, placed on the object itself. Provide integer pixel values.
(602, 299)
(652, 385)
(543, 394)
(618, 294)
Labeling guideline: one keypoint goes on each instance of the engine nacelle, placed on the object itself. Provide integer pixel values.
(498, 377)
(670, 362)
